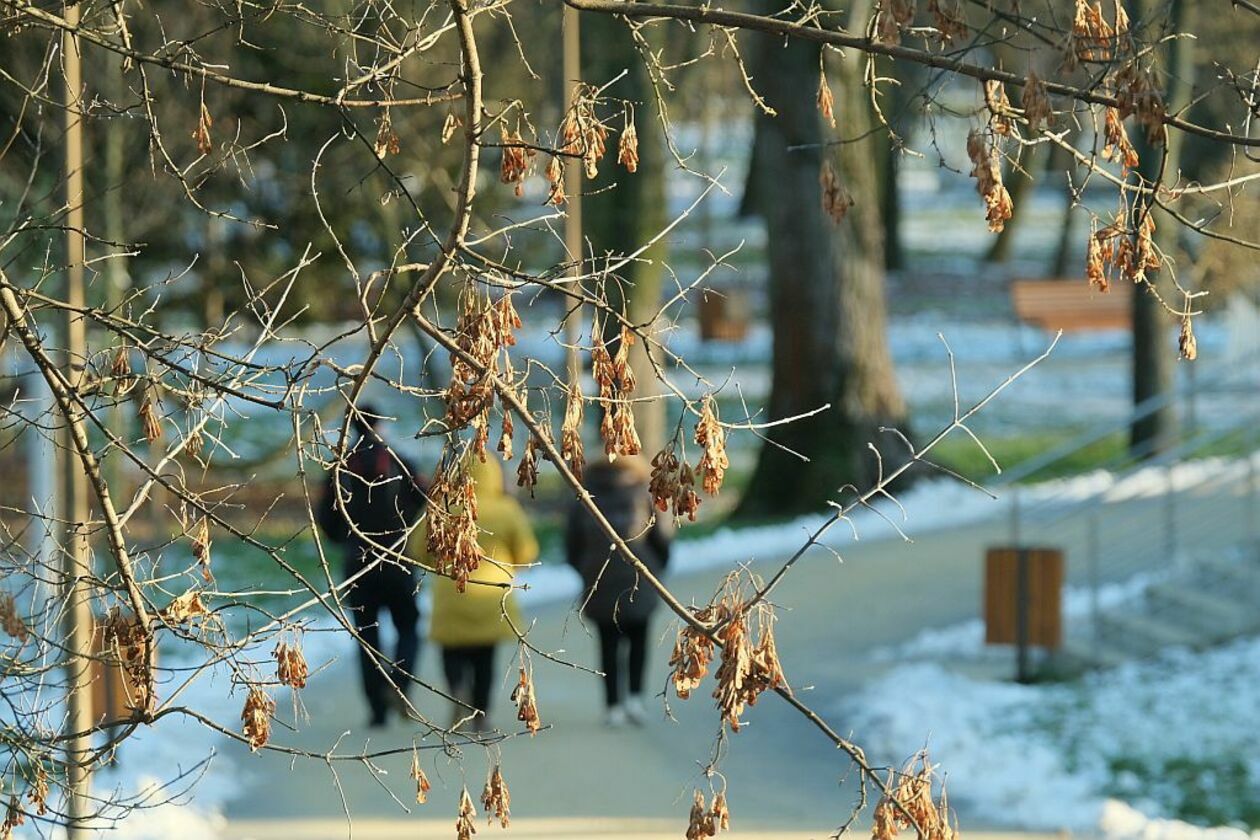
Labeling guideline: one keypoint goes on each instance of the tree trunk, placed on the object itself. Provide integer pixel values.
(617, 221)
(1060, 163)
(826, 294)
(1152, 354)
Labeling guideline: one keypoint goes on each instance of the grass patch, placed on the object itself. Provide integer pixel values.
(1204, 791)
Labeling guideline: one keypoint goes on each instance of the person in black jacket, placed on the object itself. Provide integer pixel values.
(368, 508)
(615, 598)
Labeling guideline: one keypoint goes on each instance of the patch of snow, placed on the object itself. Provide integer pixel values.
(1049, 757)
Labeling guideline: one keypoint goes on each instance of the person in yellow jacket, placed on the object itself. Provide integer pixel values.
(468, 625)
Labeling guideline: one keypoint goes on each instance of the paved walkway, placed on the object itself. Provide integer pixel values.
(783, 778)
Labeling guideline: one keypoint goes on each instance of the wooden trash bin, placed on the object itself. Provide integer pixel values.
(724, 316)
(1023, 600)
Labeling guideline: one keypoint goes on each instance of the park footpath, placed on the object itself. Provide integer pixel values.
(577, 778)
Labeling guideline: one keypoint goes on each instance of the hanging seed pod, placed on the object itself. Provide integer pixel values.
(464, 828)
(526, 702)
(259, 708)
(422, 781)
(1186, 342)
(496, 800)
(291, 668)
(572, 450)
(628, 147)
(149, 421)
(202, 133)
(826, 102)
(386, 140)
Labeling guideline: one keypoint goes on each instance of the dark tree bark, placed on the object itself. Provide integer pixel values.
(1152, 355)
(617, 221)
(826, 293)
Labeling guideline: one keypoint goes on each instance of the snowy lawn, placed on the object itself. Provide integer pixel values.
(1126, 752)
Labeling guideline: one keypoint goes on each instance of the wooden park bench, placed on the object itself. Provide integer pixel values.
(1072, 305)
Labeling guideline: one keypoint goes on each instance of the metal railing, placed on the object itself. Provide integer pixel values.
(1145, 515)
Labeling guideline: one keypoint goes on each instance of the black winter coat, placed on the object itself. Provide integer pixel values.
(613, 591)
(382, 495)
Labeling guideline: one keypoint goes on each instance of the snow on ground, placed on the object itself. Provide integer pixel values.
(1121, 753)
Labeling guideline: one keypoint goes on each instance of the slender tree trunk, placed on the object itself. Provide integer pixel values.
(1059, 163)
(618, 221)
(826, 294)
(1152, 355)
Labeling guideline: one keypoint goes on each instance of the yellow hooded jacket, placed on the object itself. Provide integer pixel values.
(475, 617)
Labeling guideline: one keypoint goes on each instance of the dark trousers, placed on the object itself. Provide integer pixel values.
(470, 674)
(371, 595)
(614, 639)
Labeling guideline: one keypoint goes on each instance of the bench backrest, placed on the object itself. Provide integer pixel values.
(1072, 305)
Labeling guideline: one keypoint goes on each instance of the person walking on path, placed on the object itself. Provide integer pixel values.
(615, 598)
(381, 498)
(469, 625)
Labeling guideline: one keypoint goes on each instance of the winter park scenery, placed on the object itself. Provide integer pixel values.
(615, 419)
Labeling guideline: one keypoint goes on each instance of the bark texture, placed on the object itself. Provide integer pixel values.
(826, 291)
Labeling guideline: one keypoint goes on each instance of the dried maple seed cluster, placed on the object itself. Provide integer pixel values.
(14, 625)
(826, 102)
(422, 781)
(836, 200)
(518, 159)
(1187, 344)
(150, 423)
(1113, 253)
(13, 818)
(749, 659)
(1138, 96)
(1036, 103)
(707, 821)
(948, 19)
(495, 799)
(483, 329)
(185, 608)
(672, 482)
(449, 127)
(259, 707)
(907, 804)
(1116, 145)
(693, 651)
(526, 702)
(712, 440)
(572, 450)
(201, 134)
(582, 134)
(38, 794)
(201, 548)
(527, 470)
(554, 173)
(750, 663)
(464, 828)
(132, 644)
(628, 147)
(987, 170)
(616, 381)
(1092, 37)
(452, 525)
(672, 485)
(999, 105)
(386, 140)
(291, 669)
